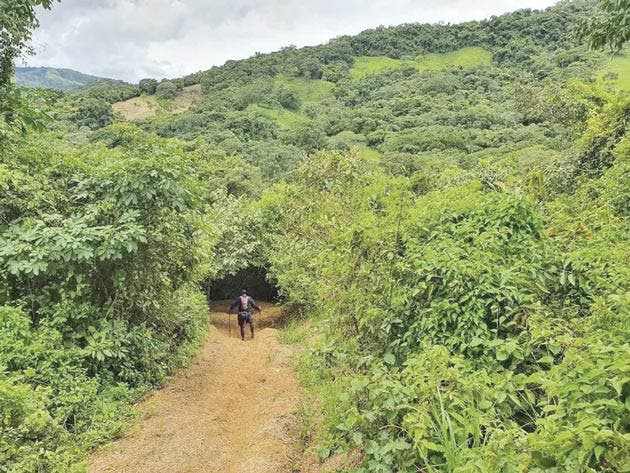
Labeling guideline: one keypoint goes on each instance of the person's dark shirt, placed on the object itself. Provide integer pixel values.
(250, 303)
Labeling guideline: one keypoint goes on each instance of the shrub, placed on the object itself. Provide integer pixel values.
(148, 86)
(166, 90)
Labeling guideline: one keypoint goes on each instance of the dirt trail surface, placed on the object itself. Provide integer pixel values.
(230, 411)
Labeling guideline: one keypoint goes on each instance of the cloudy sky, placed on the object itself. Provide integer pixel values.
(132, 39)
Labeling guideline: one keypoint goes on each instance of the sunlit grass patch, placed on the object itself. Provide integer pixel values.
(308, 90)
(464, 57)
(284, 118)
(148, 106)
(616, 71)
(364, 65)
(370, 154)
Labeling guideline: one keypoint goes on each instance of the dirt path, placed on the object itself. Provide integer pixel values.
(230, 411)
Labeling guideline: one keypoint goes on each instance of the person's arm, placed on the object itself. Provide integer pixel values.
(254, 305)
(234, 304)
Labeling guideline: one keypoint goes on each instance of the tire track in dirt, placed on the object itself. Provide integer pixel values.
(230, 411)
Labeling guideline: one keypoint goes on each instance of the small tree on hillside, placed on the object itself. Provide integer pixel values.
(335, 72)
(148, 86)
(92, 113)
(166, 90)
(310, 68)
(287, 98)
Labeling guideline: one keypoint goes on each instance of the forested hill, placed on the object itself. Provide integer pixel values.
(513, 38)
(459, 89)
(444, 210)
(52, 78)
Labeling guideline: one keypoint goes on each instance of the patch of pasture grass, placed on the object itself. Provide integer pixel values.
(464, 57)
(295, 332)
(369, 154)
(284, 118)
(308, 90)
(618, 71)
(364, 65)
(149, 106)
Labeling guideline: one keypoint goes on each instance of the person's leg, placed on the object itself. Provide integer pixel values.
(241, 325)
(250, 321)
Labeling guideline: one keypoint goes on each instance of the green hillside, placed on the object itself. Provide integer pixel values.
(52, 78)
(442, 210)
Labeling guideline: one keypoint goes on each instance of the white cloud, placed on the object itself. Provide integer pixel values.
(131, 39)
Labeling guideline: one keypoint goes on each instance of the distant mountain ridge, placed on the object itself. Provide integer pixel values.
(52, 78)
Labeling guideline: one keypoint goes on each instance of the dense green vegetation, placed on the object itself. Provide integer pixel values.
(480, 326)
(52, 78)
(98, 252)
(445, 206)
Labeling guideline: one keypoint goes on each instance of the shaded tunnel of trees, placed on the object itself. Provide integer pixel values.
(252, 279)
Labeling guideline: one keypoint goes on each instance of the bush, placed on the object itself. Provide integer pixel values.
(166, 90)
(307, 136)
(148, 86)
(93, 113)
(288, 99)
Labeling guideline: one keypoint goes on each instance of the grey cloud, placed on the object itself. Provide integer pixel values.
(131, 39)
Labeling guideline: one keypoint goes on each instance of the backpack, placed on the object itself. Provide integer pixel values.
(244, 303)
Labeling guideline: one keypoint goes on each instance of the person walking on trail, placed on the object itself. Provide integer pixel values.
(244, 304)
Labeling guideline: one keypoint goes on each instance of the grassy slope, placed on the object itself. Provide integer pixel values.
(147, 106)
(370, 154)
(308, 90)
(365, 65)
(619, 65)
(284, 118)
(465, 57)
